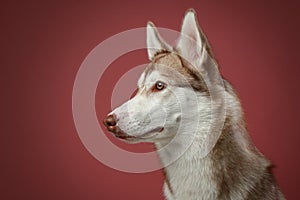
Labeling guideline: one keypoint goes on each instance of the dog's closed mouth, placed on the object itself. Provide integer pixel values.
(126, 136)
(155, 130)
(158, 129)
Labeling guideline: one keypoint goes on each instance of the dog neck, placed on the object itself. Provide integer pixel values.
(226, 168)
(189, 175)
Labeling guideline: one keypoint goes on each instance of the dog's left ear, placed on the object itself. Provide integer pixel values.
(192, 44)
(155, 43)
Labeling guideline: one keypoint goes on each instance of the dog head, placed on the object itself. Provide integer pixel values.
(172, 95)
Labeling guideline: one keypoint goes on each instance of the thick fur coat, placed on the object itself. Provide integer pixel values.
(168, 106)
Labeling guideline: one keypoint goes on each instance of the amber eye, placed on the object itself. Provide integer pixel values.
(160, 85)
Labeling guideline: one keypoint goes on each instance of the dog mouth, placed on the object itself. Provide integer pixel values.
(152, 132)
(124, 136)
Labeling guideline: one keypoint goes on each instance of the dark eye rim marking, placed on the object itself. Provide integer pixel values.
(159, 86)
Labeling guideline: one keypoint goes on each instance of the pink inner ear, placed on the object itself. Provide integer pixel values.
(190, 31)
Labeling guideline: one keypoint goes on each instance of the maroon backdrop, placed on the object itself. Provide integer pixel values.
(44, 43)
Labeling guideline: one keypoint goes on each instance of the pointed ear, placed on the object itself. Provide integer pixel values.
(192, 44)
(155, 43)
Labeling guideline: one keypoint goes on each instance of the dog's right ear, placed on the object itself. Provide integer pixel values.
(155, 43)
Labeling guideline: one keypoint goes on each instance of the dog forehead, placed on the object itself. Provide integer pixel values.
(149, 77)
(163, 62)
(169, 59)
(169, 67)
(153, 76)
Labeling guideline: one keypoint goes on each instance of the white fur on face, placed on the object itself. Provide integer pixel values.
(149, 111)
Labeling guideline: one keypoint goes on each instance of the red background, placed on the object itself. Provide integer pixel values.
(44, 43)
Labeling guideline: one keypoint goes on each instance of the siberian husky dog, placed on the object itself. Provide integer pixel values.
(177, 107)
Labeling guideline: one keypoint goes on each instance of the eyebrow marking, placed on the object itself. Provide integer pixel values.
(160, 55)
(156, 57)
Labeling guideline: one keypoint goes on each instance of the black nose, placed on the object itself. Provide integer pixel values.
(110, 123)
